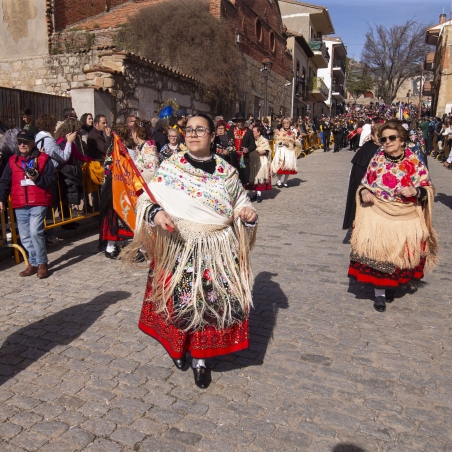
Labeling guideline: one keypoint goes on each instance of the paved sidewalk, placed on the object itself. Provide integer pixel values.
(325, 371)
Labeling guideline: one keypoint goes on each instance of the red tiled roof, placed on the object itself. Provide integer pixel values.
(114, 17)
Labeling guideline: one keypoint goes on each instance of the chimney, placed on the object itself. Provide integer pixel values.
(442, 18)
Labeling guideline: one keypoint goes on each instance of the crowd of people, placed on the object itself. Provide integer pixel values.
(196, 226)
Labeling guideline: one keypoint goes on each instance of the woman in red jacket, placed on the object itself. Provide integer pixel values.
(29, 176)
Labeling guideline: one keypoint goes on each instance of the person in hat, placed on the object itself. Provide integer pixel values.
(29, 177)
(244, 144)
(182, 118)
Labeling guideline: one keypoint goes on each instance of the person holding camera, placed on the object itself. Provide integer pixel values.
(29, 177)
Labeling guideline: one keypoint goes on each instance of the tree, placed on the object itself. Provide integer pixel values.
(394, 55)
(185, 36)
(359, 80)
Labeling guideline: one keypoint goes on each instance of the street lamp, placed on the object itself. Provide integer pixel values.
(266, 68)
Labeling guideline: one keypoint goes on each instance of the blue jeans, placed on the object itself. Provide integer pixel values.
(30, 221)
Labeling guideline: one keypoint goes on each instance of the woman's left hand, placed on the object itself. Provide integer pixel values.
(408, 192)
(248, 215)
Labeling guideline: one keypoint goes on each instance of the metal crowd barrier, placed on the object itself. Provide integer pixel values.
(56, 217)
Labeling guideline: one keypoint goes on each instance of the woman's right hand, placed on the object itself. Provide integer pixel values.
(367, 196)
(70, 137)
(163, 220)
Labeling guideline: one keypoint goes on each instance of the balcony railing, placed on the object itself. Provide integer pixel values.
(339, 63)
(319, 46)
(316, 84)
(338, 89)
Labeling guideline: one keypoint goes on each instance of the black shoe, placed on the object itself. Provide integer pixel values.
(180, 363)
(258, 198)
(113, 255)
(285, 185)
(380, 304)
(202, 377)
(390, 295)
(253, 198)
(139, 258)
(278, 184)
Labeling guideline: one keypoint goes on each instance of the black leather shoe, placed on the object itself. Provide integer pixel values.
(113, 255)
(390, 295)
(203, 377)
(180, 363)
(258, 198)
(380, 304)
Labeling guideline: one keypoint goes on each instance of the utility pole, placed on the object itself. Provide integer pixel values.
(421, 87)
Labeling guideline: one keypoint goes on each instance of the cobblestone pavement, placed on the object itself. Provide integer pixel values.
(325, 372)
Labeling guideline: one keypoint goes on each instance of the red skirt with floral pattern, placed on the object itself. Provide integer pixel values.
(207, 343)
(379, 280)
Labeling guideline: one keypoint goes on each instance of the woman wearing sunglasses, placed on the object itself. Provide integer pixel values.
(198, 232)
(393, 240)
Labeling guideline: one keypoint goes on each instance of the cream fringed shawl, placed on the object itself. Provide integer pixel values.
(396, 233)
(209, 236)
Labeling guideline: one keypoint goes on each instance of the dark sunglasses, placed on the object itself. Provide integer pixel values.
(390, 138)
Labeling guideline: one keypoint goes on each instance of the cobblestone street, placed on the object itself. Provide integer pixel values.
(325, 371)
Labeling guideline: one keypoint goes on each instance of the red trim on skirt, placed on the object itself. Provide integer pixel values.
(264, 186)
(379, 280)
(106, 233)
(207, 343)
(286, 172)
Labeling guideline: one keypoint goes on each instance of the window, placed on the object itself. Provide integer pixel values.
(259, 30)
(272, 42)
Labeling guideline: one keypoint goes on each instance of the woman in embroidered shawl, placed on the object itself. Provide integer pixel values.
(260, 175)
(287, 150)
(393, 239)
(198, 233)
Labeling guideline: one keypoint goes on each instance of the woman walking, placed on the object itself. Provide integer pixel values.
(393, 239)
(198, 235)
(286, 148)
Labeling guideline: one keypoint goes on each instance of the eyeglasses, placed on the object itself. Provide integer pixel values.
(19, 142)
(172, 136)
(390, 138)
(200, 131)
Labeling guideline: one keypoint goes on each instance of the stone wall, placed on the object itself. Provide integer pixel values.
(136, 85)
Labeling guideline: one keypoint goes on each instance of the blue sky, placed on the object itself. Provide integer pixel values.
(351, 18)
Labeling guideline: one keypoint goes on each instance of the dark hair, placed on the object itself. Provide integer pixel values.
(83, 122)
(97, 118)
(161, 124)
(46, 123)
(25, 112)
(69, 126)
(259, 128)
(208, 119)
(67, 112)
(221, 123)
(143, 129)
(123, 131)
(395, 125)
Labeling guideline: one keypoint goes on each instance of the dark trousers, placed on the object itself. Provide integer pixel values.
(337, 142)
(326, 140)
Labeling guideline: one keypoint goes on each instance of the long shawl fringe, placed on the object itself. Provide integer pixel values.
(395, 233)
(207, 246)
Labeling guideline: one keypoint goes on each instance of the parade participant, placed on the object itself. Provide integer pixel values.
(360, 162)
(393, 239)
(414, 145)
(29, 176)
(173, 147)
(198, 237)
(326, 130)
(224, 144)
(260, 175)
(244, 145)
(284, 162)
(337, 133)
(182, 117)
(112, 230)
(268, 130)
(147, 158)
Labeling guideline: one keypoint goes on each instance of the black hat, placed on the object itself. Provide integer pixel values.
(25, 135)
(181, 112)
(238, 115)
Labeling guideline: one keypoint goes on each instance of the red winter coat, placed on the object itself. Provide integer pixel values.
(39, 194)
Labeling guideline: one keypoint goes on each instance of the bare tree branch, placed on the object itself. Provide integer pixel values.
(394, 54)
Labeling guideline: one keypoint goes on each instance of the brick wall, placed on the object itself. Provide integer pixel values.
(243, 15)
(68, 12)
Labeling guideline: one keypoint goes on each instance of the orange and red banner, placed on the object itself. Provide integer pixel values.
(127, 184)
